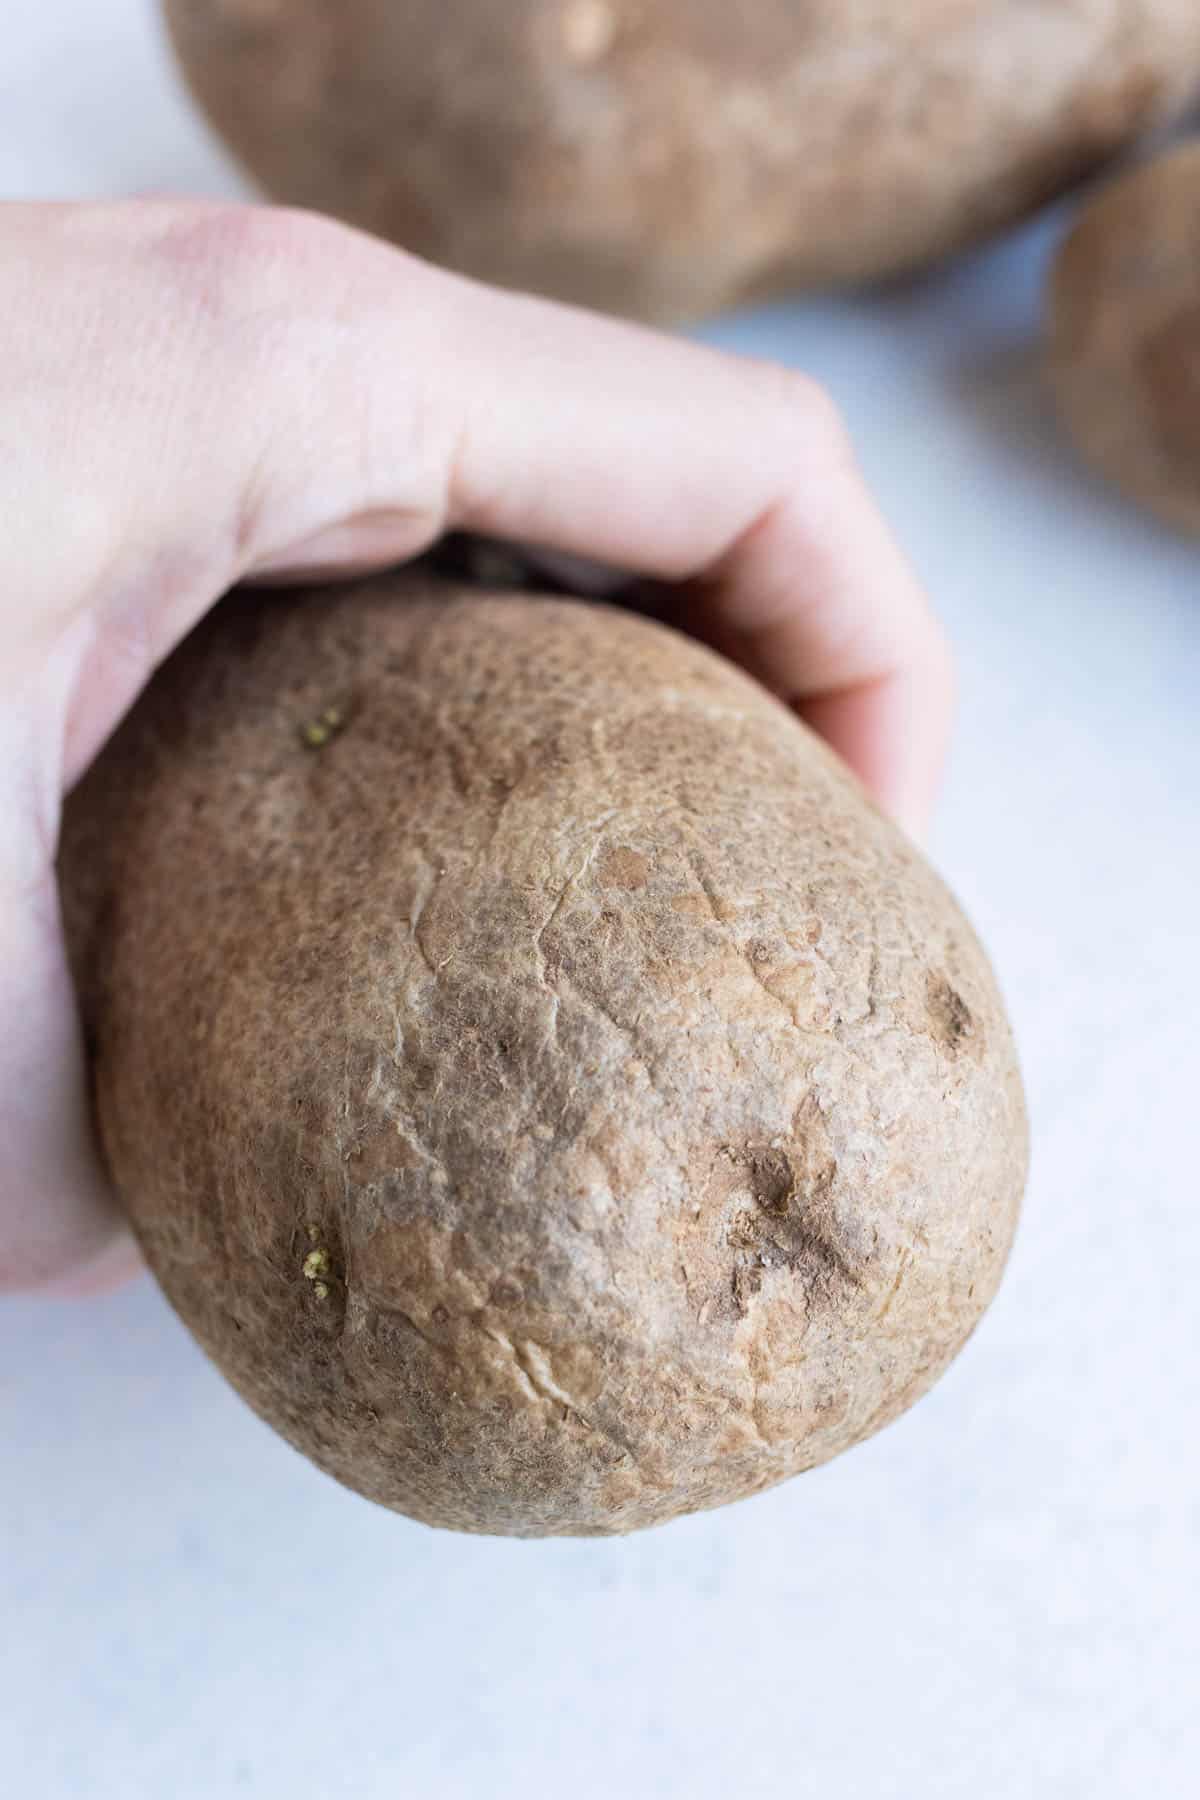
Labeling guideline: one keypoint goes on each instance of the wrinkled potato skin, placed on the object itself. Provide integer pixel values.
(1125, 336)
(648, 1096)
(667, 158)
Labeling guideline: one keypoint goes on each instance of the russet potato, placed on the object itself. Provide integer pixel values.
(667, 158)
(1125, 335)
(550, 1091)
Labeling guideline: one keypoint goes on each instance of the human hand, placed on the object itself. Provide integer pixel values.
(196, 394)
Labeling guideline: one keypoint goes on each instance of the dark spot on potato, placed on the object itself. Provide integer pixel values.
(423, 1075)
(772, 1181)
(950, 1018)
(743, 1233)
(795, 1223)
(745, 1282)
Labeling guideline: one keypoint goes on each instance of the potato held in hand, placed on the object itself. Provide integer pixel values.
(667, 158)
(545, 1086)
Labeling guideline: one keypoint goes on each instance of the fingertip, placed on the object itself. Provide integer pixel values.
(894, 734)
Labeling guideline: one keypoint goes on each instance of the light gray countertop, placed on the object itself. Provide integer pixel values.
(996, 1598)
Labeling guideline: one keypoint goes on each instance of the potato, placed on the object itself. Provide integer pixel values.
(666, 158)
(544, 1084)
(1125, 335)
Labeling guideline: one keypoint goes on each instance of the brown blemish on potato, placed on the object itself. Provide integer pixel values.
(624, 868)
(692, 906)
(949, 1015)
(781, 1213)
(797, 1218)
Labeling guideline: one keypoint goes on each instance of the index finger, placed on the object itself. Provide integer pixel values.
(735, 479)
(337, 403)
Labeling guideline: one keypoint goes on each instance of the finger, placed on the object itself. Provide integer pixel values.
(322, 401)
(865, 722)
(732, 478)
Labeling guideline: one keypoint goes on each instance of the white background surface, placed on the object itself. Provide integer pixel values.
(997, 1598)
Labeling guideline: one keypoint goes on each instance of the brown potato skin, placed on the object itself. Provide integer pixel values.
(649, 1096)
(1125, 335)
(668, 158)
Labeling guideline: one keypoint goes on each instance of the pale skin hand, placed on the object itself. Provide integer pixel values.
(193, 395)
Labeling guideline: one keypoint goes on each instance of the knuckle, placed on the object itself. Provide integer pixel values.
(238, 263)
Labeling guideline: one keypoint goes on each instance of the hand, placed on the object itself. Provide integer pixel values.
(198, 394)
